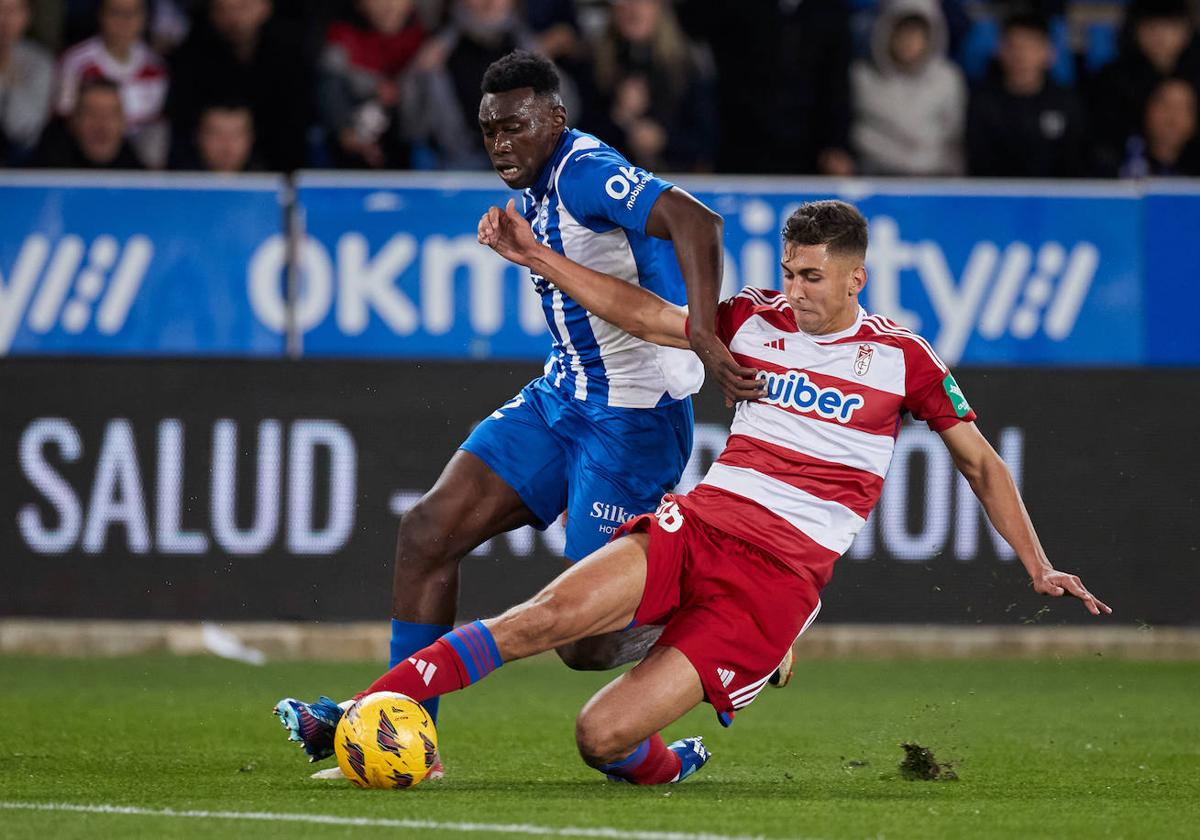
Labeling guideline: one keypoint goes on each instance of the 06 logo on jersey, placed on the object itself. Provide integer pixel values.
(670, 517)
(794, 390)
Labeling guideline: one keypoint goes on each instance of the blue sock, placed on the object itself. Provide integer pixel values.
(407, 639)
(476, 650)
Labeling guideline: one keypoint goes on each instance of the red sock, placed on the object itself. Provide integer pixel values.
(650, 764)
(454, 661)
(430, 672)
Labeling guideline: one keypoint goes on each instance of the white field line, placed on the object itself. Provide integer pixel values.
(374, 822)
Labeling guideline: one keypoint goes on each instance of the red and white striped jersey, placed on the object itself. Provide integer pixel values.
(142, 79)
(804, 465)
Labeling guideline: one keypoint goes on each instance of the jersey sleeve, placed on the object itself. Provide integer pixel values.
(604, 191)
(931, 394)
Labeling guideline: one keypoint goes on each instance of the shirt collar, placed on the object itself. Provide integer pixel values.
(542, 185)
(830, 338)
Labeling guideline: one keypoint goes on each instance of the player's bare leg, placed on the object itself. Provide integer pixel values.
(468, 505)
(598, 595)
(618, 730)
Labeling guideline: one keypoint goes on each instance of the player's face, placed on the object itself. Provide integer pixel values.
(520, 130)
(822, 288)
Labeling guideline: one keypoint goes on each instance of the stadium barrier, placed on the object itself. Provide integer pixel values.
(339, 265)
(262, 641)
(240, 490)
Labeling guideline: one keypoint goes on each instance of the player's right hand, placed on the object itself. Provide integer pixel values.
(507, 233)
(736, 382)
(1056, 584)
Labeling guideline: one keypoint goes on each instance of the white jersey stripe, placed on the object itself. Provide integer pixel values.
(829, 524)
(572, 355)
(830, 442)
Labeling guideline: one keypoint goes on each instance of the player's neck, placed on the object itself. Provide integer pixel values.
(843, 321)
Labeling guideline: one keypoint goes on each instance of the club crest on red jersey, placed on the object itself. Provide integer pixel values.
(862, 361)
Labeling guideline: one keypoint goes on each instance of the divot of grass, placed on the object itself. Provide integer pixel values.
(919, 765)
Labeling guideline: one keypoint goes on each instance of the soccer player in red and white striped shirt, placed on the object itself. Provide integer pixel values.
(735, 568)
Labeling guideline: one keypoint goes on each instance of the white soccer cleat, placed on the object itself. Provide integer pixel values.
(783, 674)
(437, 771)
(329, 773)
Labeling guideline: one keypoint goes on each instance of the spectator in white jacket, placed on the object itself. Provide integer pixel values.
(26, 82)
(909, 99)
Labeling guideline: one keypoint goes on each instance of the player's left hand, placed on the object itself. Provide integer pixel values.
(1056, 584)
(737, 382)
(507, 233)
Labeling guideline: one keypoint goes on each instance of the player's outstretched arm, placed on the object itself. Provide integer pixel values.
(636, 310)
(993, 484)
(696, 232)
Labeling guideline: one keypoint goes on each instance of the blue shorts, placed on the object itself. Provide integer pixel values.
(602, 465)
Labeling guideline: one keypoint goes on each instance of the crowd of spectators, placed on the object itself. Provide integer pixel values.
(834, 87)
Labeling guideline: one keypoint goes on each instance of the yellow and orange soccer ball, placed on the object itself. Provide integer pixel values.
(385, 740)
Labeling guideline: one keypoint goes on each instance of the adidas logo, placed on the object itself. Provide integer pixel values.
(725, 676)
(425, 669)
(775, 344)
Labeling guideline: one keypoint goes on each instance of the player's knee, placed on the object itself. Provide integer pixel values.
(424, 537)
(600, 740)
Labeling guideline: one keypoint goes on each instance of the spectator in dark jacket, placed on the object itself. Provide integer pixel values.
(1020, 122)
(361, 79)
(1167, 145)
(241, 50)
(442, 99)
(93, 137)
(651, 92)
(1157, 42)
(782, 83)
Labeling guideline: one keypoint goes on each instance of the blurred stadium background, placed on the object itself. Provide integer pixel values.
(225, 377)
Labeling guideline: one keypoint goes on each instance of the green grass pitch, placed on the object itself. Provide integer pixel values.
(1073, 748)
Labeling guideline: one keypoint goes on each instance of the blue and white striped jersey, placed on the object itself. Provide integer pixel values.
(591, 205)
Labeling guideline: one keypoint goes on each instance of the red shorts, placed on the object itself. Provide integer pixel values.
(731, 608)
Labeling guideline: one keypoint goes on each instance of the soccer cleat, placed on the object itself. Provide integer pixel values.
(333, 772)
(312, 724)
(692, 756)
(437, 770)
(783, 674)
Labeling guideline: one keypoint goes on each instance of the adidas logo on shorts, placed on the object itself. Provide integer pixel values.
(725, 676)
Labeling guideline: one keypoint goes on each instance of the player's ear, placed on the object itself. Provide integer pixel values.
(558, 115)
(858, 279)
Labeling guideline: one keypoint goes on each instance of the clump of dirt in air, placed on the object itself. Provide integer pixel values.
(919, 765)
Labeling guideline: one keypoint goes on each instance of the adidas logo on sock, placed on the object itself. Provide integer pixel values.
(425, 669)
(774, 344)
(725, 676)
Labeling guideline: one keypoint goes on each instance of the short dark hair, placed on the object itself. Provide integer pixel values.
(1026, 19)
(521, 69)
(833, 223)
(1143, 10)
(92, 83)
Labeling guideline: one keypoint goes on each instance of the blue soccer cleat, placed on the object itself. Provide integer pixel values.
(312, 724)
(692, 756)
